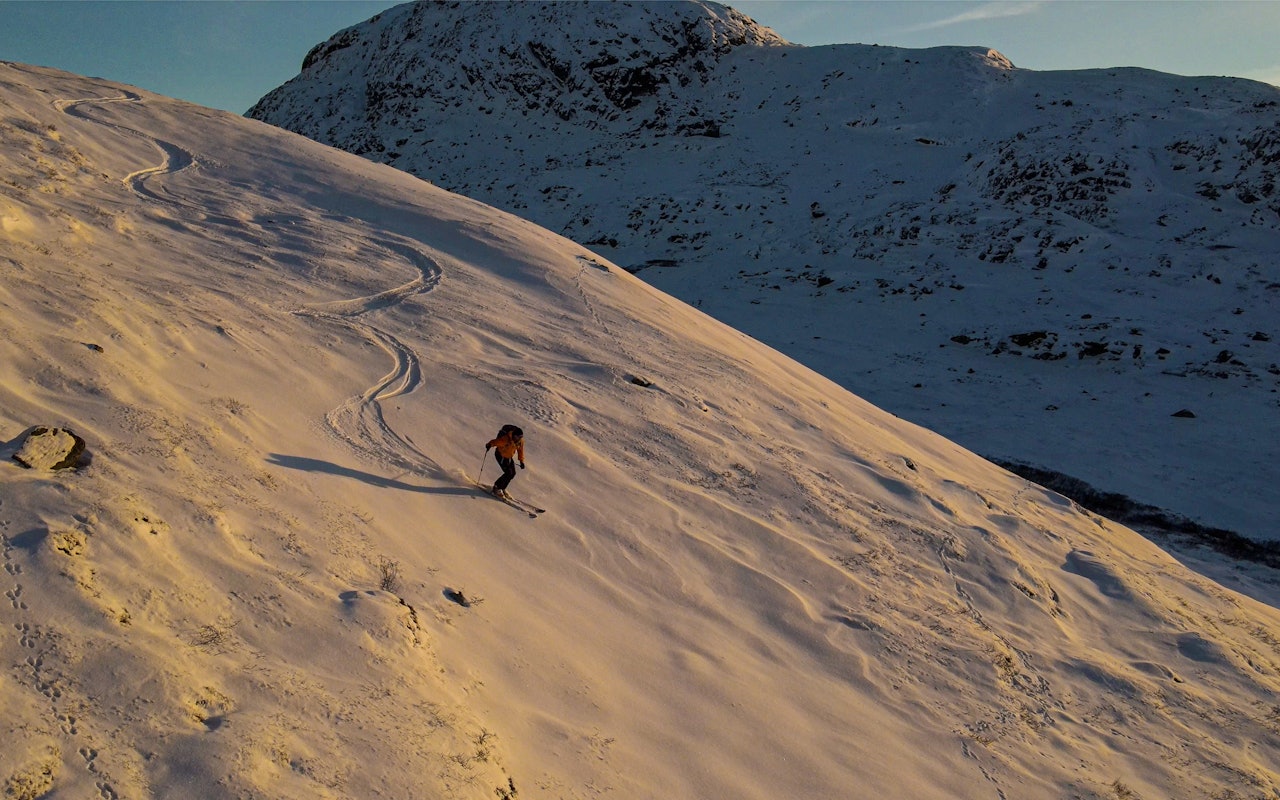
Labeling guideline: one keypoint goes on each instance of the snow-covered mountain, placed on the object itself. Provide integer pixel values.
(1073, 270)
(272, 575)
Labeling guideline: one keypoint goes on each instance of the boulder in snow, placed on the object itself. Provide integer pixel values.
(50, 448)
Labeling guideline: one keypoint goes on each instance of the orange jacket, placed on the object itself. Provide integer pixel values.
(508, 446)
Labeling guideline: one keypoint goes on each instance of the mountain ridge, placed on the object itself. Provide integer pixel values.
(983, 249)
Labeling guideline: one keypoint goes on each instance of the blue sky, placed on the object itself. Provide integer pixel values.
(228, 54)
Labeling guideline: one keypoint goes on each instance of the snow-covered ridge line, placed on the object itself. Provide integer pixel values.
(1045, 266)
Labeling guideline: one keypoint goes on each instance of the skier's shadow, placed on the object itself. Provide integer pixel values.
(329, 468)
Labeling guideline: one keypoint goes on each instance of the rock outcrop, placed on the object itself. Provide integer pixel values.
(50, 449)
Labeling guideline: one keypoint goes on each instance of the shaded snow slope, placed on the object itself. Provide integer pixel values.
(1044, 266)
(273, 575)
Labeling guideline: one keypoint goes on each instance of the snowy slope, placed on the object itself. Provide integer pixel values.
(1043, 266)
(273, 576)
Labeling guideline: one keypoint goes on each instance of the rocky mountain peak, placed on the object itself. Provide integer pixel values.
(622, 65)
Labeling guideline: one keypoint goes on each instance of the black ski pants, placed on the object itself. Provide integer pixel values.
(508, 471)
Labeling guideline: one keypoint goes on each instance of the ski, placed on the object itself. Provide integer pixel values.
(528, 508)
(511, 502)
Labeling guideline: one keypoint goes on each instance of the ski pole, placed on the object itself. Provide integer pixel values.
(483, 459)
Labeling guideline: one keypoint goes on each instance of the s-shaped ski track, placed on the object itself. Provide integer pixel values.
(175, 160)
(359, 422)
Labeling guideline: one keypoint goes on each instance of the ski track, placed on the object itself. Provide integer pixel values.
(359, 421)
(175, 160)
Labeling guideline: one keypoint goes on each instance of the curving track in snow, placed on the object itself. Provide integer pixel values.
(358, 421)
(176, 158)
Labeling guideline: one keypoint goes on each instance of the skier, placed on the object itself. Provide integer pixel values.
(509, 443)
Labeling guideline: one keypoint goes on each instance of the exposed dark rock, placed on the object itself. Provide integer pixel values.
(1030, 339)
(1093, 349)
(461, 598)
(50, 449)
(1147, 519)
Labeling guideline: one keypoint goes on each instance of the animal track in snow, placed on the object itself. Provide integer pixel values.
(15, 597)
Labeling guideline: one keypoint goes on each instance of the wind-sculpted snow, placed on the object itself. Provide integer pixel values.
(274, 576)
(896, 219)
